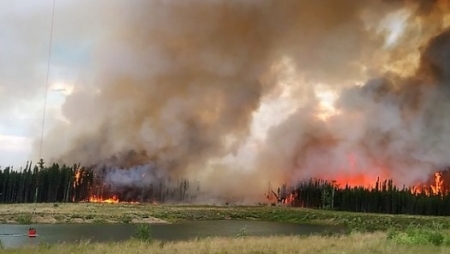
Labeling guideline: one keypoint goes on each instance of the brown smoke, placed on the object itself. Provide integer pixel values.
(392, 126)
(176, 84)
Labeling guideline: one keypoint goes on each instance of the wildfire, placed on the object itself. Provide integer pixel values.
(436, 188)
(76, 181)
(354, 176)
(77, 178)
(112, 200)
(290, 199)
(359, 180)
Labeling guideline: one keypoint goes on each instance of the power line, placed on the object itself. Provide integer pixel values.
(46, 83)
(45, 102)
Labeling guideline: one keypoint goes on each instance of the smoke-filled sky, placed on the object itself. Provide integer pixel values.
(25, 39)
(250, 91)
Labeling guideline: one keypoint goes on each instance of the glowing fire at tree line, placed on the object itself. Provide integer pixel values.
(437, 187)
(78, 184)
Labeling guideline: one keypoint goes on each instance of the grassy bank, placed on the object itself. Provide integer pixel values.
(355, 243)
(129, 213)
(402, 234)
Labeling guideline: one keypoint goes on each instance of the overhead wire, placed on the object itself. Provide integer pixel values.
(45, 99)
(47, 81)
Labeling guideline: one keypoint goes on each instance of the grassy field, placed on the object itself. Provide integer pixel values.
(388, 233)
(134, 213)
(355, 243)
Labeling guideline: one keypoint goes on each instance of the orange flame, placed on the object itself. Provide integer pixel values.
(436, 188)
(112, 200)
(77, 181)
(77, 178)
(355, 177)
(290, 199)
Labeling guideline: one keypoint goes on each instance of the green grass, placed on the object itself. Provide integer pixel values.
(144, 233)
(99, 221)
(367, 243)
(368, 233)
(417, 235)
(242, 232)
(126, 219)
(24, 219)
(145, 213)
(355, 221)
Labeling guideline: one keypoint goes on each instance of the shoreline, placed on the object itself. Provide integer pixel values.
(74, 213)
(87, 213)
(369, 243)
(367, 233)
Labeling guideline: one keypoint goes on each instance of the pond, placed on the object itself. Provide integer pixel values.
(13, 236)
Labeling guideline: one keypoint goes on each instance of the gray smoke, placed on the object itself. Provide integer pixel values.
(391, 127)
(139, 176)
(175, 84)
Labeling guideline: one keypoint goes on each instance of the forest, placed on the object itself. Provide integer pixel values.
(384, 197)
(42, 184)
(60, 183)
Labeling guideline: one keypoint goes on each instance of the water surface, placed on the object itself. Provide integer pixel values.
(13, 236)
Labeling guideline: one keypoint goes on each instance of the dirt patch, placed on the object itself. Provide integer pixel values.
(77, 220)
(46, 219)
(148, 220)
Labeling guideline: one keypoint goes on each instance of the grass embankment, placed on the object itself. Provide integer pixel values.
(402, 234)
(349, 244)
(145, 213)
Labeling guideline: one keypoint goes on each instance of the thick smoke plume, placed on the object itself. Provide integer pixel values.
(390, 127)
(176, 86)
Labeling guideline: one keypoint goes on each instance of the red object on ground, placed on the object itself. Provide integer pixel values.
(32, 232)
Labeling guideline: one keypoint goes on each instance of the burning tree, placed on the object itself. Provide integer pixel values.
(80, 184)
(140, 184)
(430, 198)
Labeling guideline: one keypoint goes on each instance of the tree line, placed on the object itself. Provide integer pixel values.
(36, 183)
(61, 183)
(384, 197)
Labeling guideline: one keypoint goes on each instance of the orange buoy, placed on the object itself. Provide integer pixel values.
(31, 232)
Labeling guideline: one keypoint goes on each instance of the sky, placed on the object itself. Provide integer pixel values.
(25, 39)
(24, 46)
